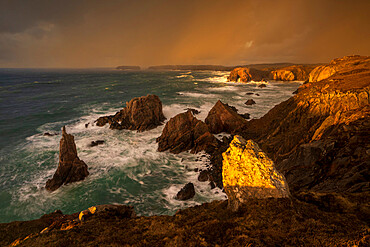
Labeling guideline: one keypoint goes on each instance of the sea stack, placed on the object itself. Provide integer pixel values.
(141, 113)
(248, 173)
(71, 168)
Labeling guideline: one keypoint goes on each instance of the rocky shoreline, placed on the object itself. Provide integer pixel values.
(318, 140)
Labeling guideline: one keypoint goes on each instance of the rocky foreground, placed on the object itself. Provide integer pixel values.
(302, 181)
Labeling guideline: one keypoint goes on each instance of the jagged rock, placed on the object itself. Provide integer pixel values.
(338, 65)
(247, 75)
(308, 136)
(246, 115)
(203, 176)
(222, 118)
(70, 168)
(212, 185)
(96, 143)
(291, 73)
(194, 111)
(142, 113)
(108, 210)
(184, 132)
(248, 173)
(186, 193)
(250, 102)
(50, 134)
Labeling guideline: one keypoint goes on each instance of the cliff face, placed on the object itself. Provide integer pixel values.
(291, 73)
(338, 65)
(247, 75)
(320, 137)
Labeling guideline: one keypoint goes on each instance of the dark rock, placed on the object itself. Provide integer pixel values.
(87, 125)
(257, 94)
(194, 111)
(186, 193)
(203, 176)
(262, 86)
(70, 168)
(246, 115)
(222, 118)
(250, 102)
(108, 211)
(143, 113)
(184, 132)
(96, 143)
(50, 134)
(249, 93)
(212, 185)
(196, 169)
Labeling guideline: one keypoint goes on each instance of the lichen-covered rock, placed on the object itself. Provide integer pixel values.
(185, 132)
(70, 168)
(247, 74)
(142, 113)
(248, 173)
(223, 118)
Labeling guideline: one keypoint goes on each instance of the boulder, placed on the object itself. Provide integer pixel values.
(108, 211)
(186, 193)
(250, 102)
(244, 74)
(223, 118)
(203, 176)
(70, 168)
(142, 113)
(248, 173)
(184, 132)
(96, 143)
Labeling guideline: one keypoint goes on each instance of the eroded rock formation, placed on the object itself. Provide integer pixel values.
(247, 74)
(224, 118)
(248, 173)
(185, 132)
(319, 139)
(291, 73)
(70, 168)
(339, 65)
(142, 113)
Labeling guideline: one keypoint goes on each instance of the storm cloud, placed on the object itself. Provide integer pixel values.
(80, 33)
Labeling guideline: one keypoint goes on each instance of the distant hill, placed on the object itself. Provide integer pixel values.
(191, 67)
(128, 67)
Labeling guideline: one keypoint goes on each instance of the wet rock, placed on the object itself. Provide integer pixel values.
(222, 118)
(87, 125)
(257, 94)
(186, 193)
(262, 85)
(96, 143)
(212, 185)
(142, 113)
(184, 132)
(194, 111)
(203, 176)
(250, 102)
(70, 168)
(249, 93)
(246, 115)
(248, 173)
(50, 134)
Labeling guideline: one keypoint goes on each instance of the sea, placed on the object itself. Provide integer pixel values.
(126, 168)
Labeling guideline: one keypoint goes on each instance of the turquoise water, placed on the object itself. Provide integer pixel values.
(126, 168)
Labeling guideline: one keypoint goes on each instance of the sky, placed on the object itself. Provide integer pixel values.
(108, 33)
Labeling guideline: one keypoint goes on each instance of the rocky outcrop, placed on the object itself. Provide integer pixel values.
(291, 73)
(339, 65)
(248, 173)
(70, 168)
(223, 118)
(185, 132)
(143, 113)
(186, 193)
(108, 211)
(247, 75)
(319, 139)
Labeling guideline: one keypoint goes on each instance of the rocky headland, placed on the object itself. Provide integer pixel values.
(298, 176)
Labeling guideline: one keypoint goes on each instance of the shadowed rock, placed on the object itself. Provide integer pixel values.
(250, 102)
(142, 113)
(186, 193)
(248, 173)
(70, 168)
(223, 118)
(184, 132)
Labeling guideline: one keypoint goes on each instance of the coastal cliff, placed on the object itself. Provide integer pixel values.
(317, 139)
